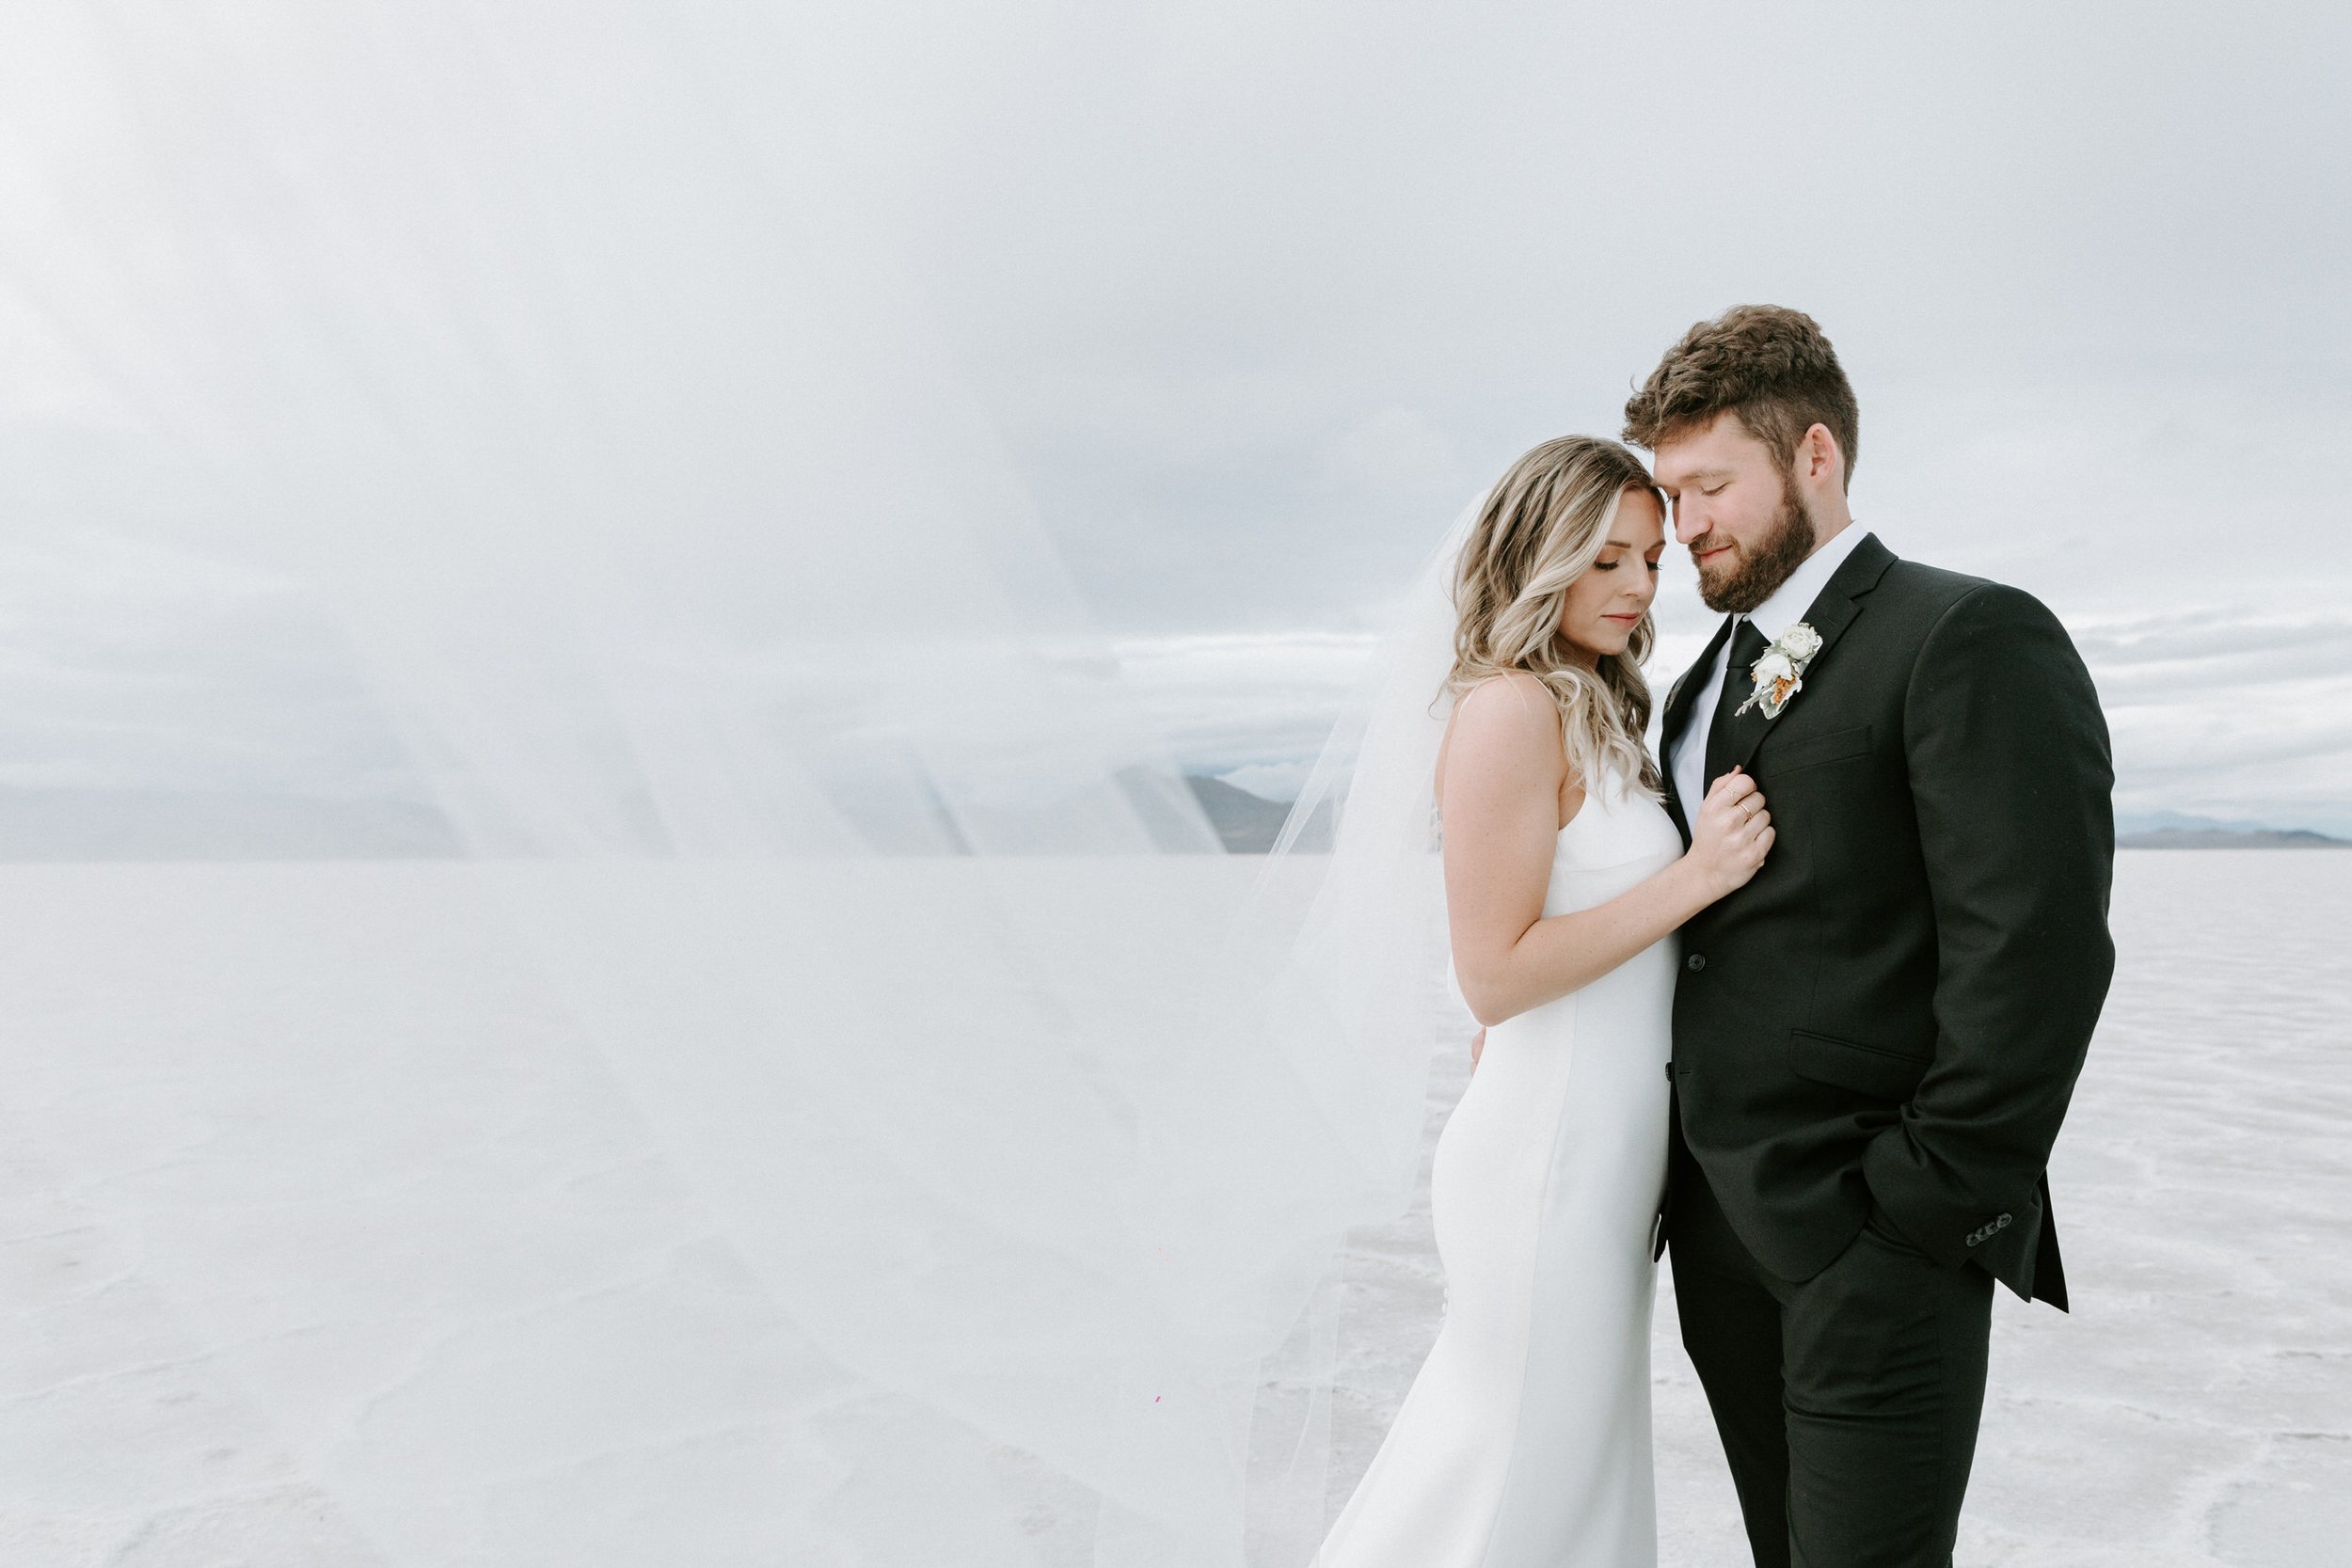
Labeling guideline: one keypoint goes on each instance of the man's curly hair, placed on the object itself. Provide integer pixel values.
(1768, 364)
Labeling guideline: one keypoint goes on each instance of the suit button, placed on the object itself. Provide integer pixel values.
(1986, 1232)
(1695, 963)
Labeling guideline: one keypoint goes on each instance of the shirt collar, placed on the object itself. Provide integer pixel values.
(1792, 598)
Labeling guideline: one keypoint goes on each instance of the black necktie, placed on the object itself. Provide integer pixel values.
(1747, 647)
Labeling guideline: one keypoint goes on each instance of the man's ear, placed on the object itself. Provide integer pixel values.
(1823, 463)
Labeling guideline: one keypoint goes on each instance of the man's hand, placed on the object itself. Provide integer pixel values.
(1478, 1043)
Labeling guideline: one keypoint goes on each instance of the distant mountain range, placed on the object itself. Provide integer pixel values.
(2229, 838)
(1249, 825)
(2172, 830)
(120, 825)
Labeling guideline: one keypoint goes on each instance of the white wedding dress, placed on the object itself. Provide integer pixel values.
(1525, 1440)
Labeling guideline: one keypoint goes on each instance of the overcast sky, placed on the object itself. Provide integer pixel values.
(1258, 295)
(1263, 296)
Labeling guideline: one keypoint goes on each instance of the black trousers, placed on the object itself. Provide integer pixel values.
(1847, 1402)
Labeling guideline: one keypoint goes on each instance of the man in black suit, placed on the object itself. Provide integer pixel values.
(1875, 1040)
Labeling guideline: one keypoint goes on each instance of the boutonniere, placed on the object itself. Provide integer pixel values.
(1780, 673)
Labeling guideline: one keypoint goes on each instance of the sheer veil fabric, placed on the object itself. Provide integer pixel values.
(1365, 978)
(970, 1140)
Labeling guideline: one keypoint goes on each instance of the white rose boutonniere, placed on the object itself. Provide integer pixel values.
(1780, 673)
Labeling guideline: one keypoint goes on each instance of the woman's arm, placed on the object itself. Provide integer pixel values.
(1501, 787)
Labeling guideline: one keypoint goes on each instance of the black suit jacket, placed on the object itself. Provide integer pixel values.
(1897, 1007)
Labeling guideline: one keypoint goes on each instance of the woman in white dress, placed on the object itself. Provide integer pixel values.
(1525, 1441)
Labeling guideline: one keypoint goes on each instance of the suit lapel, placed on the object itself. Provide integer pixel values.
(1832, 611)
(1679, 699)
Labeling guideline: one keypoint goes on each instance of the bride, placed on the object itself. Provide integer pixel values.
(1525, 1438)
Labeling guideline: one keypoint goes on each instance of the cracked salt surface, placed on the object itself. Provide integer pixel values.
(324, 1243)
(544, 1318)
(2196, 1407)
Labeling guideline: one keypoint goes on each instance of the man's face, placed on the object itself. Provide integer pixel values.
(1738, 512)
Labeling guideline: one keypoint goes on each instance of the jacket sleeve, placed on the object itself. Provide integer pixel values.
(2011, 779)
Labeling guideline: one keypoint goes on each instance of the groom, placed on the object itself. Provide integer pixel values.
(1875, 1040)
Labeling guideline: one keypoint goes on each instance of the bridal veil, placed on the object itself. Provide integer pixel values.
(976, 1139)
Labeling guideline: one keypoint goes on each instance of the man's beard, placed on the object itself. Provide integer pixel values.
(1751, 579)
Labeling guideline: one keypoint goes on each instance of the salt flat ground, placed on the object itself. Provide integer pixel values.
(2196, 1407)
(582, 1375)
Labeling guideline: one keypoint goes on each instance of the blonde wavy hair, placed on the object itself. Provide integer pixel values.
(1541, 528)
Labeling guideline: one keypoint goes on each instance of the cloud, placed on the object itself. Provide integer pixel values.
(1255, 297)
(130, 666)
(2212, 710)
(2208, 637)
(1229, 700)
(2085, 275)
(1390, 448)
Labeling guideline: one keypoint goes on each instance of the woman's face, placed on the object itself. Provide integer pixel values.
(1604, 605)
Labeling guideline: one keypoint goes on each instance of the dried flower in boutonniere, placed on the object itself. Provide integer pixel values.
(1780, 673)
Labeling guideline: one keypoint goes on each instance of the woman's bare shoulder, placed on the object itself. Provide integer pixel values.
(1505, 725)
(1509, 706)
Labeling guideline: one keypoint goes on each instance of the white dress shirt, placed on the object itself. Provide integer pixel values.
(1785, 608)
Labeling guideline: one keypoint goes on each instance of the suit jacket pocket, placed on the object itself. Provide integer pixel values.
(1814, 749)
(1849, 1065)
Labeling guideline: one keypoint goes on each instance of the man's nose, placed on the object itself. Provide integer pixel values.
(1690, 523)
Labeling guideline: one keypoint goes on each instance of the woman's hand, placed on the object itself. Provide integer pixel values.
(1506, 786)
(1732, 835)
